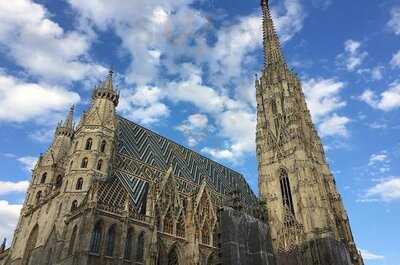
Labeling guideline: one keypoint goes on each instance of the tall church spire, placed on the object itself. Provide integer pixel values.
(272, 50)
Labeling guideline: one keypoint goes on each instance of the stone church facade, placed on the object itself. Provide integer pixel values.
(108, 191)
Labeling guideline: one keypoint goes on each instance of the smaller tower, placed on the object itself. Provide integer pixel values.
(49, 171)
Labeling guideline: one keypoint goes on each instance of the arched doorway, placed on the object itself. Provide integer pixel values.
(30, 245)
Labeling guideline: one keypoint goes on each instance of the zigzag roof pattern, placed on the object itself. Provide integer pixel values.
(144, 155)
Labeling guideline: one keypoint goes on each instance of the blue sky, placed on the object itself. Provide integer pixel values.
(186, 69)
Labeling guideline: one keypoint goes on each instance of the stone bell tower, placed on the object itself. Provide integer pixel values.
(306, 213)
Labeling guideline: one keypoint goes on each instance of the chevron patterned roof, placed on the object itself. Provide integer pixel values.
(143, 155)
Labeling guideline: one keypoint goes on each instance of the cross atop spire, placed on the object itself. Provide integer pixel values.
(108, 83)
(272, 48)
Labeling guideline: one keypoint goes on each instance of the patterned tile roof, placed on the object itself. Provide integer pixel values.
(143, 155)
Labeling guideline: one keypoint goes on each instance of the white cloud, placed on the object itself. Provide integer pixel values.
(41, 46)
(394, 22)
(7, 187)
(380, 157)
(143, 105)
(22, 101)
(386, 190)
(28, 162)
(387, 101)
(322, 97)
(195, 128)
(290, 21)
(334, 125)
(9, 217)
(395, 62)
(158, 34)
(367, 255)
(352, 57)
(323, 100)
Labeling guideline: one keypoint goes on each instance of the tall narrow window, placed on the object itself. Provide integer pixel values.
(59, 181)
(43, 179)
(71, 164)
(38, 196)
(72, 242)
(128, 244)
(286, 191)
(96, 238)
(140, 247)
(103, 146)
(59, 210)
(110, 241)
(205, 234)
(99, 164)
(84, 163)
(89, 143)
(79, 184)
(74, 205)
(180, 226)
(168, 223)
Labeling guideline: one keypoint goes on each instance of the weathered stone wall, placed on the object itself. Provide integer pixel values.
(244, 239)
(323, 251)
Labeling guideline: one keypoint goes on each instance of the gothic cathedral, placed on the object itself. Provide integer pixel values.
(109, 191)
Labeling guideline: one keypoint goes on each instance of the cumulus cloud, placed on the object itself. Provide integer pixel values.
(143, 105)
(158, 35)
(368, 255)
(28, 101)
(41, 46)
(9, 217)
(394, 22)
(7, 187)
(353, 56)
(334, 125)
(388, 100)
(195, 128)
(323, 99)
(386, 190)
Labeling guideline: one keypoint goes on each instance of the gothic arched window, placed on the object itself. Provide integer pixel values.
(168, 223)
(72, 242)
(95, 241)
(128, 244)
(74, 205)
(79, 184)
(89, 143)
(99, 164)
(205, 234)
(173, 257)
(110, 241)
(84, 163)
(103, 146)
(140, 247)
(286, 191)
(38, 196)
(43, 179)
(59, 181)
(180, 226)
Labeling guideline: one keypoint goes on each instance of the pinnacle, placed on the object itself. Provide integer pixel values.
(70, 118)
